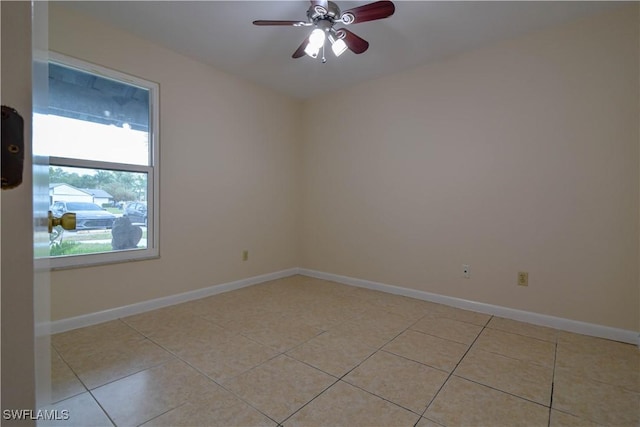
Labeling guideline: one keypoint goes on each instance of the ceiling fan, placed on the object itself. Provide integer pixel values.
(324, 15)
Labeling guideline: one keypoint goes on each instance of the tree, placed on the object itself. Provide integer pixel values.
(123, 186)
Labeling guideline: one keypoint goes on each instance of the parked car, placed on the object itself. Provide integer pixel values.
(136, 212)
(89, 216)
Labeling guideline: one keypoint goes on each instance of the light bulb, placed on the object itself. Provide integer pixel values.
(338, 47)
(316, 38)
(312, 50)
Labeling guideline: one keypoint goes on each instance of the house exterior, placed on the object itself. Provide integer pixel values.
(100, 197)
(69, 193)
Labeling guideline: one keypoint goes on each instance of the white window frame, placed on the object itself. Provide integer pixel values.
(152, 170)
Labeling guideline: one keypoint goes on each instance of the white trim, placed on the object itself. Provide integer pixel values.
(151, 169)
(569, 325)
(63, 325)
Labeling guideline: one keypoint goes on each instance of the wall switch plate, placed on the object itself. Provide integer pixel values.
(523, 278)
(245, 255)
(466, 271)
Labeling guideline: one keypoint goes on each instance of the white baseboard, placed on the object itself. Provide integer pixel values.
(128, 310)
(622, 335)
(569, 325)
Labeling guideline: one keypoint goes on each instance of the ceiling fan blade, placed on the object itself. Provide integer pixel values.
(299, 53)
(370, 12)
(355, 43)
(263, 22)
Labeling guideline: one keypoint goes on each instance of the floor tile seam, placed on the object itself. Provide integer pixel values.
(286, 329)
(73, 371)
(86, 389)
(214, 322)
(420, 362)
(430, 420)
(450, 374)
(484, 325)
(102, 408)
(156, 340)
(528, 362)
(146, 336)
(514, 358)
(307, 403)
(163, 413)
(115, 349)
(617, 386)
(571, 353)
(121, 321)
(523, 336)
(153, 340)
(504, 391)
(440, 316)
(416, 361)
(555, 341)
(137, 371)
(130, 374)
(364, 360)
(111, 346)
(56, 402)
(313, 366)
(553, 380)
(582, 417)
(446, 339)
(443, 338)
(382, 397)
(262, 344)
(278, 350)
(222, 384)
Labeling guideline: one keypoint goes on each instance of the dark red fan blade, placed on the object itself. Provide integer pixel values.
(299, 53)
(267, 22)
(372, 11)
(355, 43)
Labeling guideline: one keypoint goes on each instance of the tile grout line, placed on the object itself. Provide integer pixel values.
(339, 379)
(86, 389)
(410, 315)
(553, 379)
(177, 357)
(309, 402)
(221, 385)
(159, 415)
(455, 367)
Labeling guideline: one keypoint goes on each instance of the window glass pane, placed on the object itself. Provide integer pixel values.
(94, 118)
(99, 198)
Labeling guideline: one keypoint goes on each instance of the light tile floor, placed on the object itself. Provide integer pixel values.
(307, 352)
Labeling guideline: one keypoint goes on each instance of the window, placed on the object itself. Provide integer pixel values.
(100, 130)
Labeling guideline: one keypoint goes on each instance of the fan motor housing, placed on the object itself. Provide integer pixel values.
(316, 12)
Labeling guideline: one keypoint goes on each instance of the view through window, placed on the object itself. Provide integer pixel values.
(100, 131)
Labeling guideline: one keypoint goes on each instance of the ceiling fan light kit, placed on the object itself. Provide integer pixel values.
(323, 15)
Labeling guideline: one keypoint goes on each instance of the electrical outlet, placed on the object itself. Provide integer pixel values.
(466, 271)
(245, 255)
(523, 278)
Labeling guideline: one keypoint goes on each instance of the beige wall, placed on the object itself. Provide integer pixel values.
(229, 168)
(18, 370)
(521, 156)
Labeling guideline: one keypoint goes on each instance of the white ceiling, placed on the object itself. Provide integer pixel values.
(220, 33)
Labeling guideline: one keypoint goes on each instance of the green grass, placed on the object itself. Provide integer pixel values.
(84, 242)
(73, 248)
(92, 235)
(114, 210)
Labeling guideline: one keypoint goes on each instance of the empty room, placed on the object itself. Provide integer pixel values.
(265, 213)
